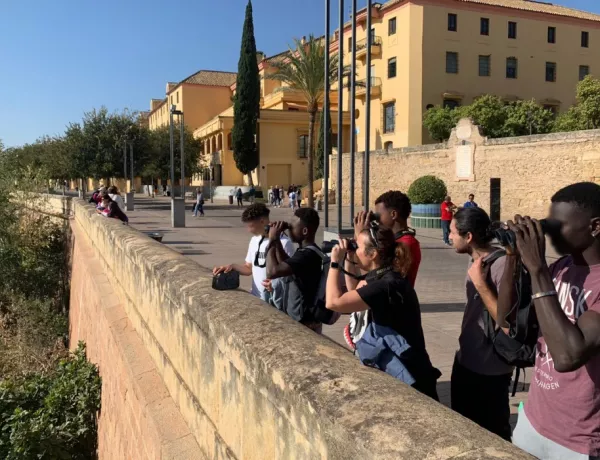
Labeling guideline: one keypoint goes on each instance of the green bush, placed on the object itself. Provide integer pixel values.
(51, 416)
(427, 190)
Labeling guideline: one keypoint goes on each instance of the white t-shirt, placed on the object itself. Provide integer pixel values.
(119, 200)
(259, 274)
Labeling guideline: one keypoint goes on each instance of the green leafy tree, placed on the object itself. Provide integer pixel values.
(490, 113)
(527, 117)
(303, 70)
(246, 106)
(158, 161)
(321, 158)
(571, 120)
(588, 102)
(439, 122)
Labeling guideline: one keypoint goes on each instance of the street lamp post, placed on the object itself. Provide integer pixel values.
(129, 195)
(177, 204)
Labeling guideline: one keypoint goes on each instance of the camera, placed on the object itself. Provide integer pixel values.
(507, 237)
(284, 227)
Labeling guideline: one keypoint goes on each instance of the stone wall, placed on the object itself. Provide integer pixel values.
(189, 372)
(531, 168)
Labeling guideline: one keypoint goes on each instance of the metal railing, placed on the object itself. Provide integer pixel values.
(362, 44)
(361, 85)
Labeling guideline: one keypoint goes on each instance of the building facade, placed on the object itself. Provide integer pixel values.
(428, 53)
(200, 96)
(282, 136)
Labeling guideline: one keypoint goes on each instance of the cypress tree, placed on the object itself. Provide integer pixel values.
(320, 156)
(246, 106)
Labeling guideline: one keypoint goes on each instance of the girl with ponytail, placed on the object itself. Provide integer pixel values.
(388, 298)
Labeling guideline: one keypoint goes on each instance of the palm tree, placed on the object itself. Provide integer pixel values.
(303, 70)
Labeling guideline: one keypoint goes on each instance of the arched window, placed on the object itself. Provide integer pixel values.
(229, 141)
(389, 145)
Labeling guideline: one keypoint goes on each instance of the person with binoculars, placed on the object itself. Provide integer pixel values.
(389, 298)
(561, 419)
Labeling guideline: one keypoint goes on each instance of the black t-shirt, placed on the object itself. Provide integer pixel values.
(394, 304)
(306, 266)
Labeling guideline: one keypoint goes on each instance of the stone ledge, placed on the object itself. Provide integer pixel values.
(315, 394)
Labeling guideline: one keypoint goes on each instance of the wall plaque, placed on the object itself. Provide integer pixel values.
(464, 161)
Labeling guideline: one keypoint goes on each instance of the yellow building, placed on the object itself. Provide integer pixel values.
(200, 96)
(449, 52)
(282, 136)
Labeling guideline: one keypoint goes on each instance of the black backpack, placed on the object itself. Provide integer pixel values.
(518, 347)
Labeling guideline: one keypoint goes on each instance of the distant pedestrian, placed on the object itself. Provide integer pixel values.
(447, 209)
(252, 194)
(292, 198)
(281, 196)
(276, 196)
(108, 208)
(199, 205)
(471, 203)
(299, 196)
(239, 195)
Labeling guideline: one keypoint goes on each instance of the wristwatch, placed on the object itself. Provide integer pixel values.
(334, 265)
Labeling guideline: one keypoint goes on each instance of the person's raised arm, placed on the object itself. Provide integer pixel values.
(348, 302)
(478, 273)
(276, 255)
(571, 345)
(507, 293)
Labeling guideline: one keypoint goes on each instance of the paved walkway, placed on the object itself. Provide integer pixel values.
(220, 238)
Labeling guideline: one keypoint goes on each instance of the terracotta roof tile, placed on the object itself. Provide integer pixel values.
(211, 78)
(524, 5)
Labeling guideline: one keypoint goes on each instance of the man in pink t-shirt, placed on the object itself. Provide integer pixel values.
(561, 419)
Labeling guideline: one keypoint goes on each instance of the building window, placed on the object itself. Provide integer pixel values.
(551, 34)
(512, 29)
(229, 141)
(585, 39)
(392, 67)
(452, 22)
(451, 62)
(584, 71)
(551, 71)
(303, 146)
(178, 97)
(451, 103)
(392, 26)
(484, 66)
(484, 26)
(373, 35)
(511, 67)
(171, 99)
(349, 44)
(389, 117)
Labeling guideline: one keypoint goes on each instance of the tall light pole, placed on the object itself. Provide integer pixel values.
(340, 114)
(367, 155)
(327, 120)
(177, 204)
(352, 112)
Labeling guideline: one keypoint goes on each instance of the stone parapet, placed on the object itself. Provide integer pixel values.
(189, 372)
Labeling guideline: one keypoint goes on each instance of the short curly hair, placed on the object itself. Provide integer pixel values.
(254, 212)
(309, 217)
(396, 200)
(584, 195)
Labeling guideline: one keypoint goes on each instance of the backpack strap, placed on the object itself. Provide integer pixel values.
(321, 254)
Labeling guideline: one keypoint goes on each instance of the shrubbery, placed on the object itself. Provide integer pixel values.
(498, 118)
(427, 190)
(51, 416)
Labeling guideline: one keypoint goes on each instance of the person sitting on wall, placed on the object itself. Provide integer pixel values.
(114, 194)
(256, 218)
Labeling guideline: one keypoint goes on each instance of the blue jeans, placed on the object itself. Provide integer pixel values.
(446, 231)
(198, 208)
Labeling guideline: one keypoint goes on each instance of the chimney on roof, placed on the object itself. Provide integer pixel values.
(170, 86)
(260, 56)
(154, 103)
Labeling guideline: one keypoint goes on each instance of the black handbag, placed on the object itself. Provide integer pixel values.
(226, 281)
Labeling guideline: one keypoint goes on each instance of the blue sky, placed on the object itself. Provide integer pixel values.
(63, 57)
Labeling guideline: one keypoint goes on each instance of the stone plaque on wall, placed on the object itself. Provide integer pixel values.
(464, 162)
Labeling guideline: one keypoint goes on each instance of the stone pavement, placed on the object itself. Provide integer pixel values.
(220, 238)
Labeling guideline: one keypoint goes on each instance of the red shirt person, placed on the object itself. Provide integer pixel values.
(394, 208)
(447, 211)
